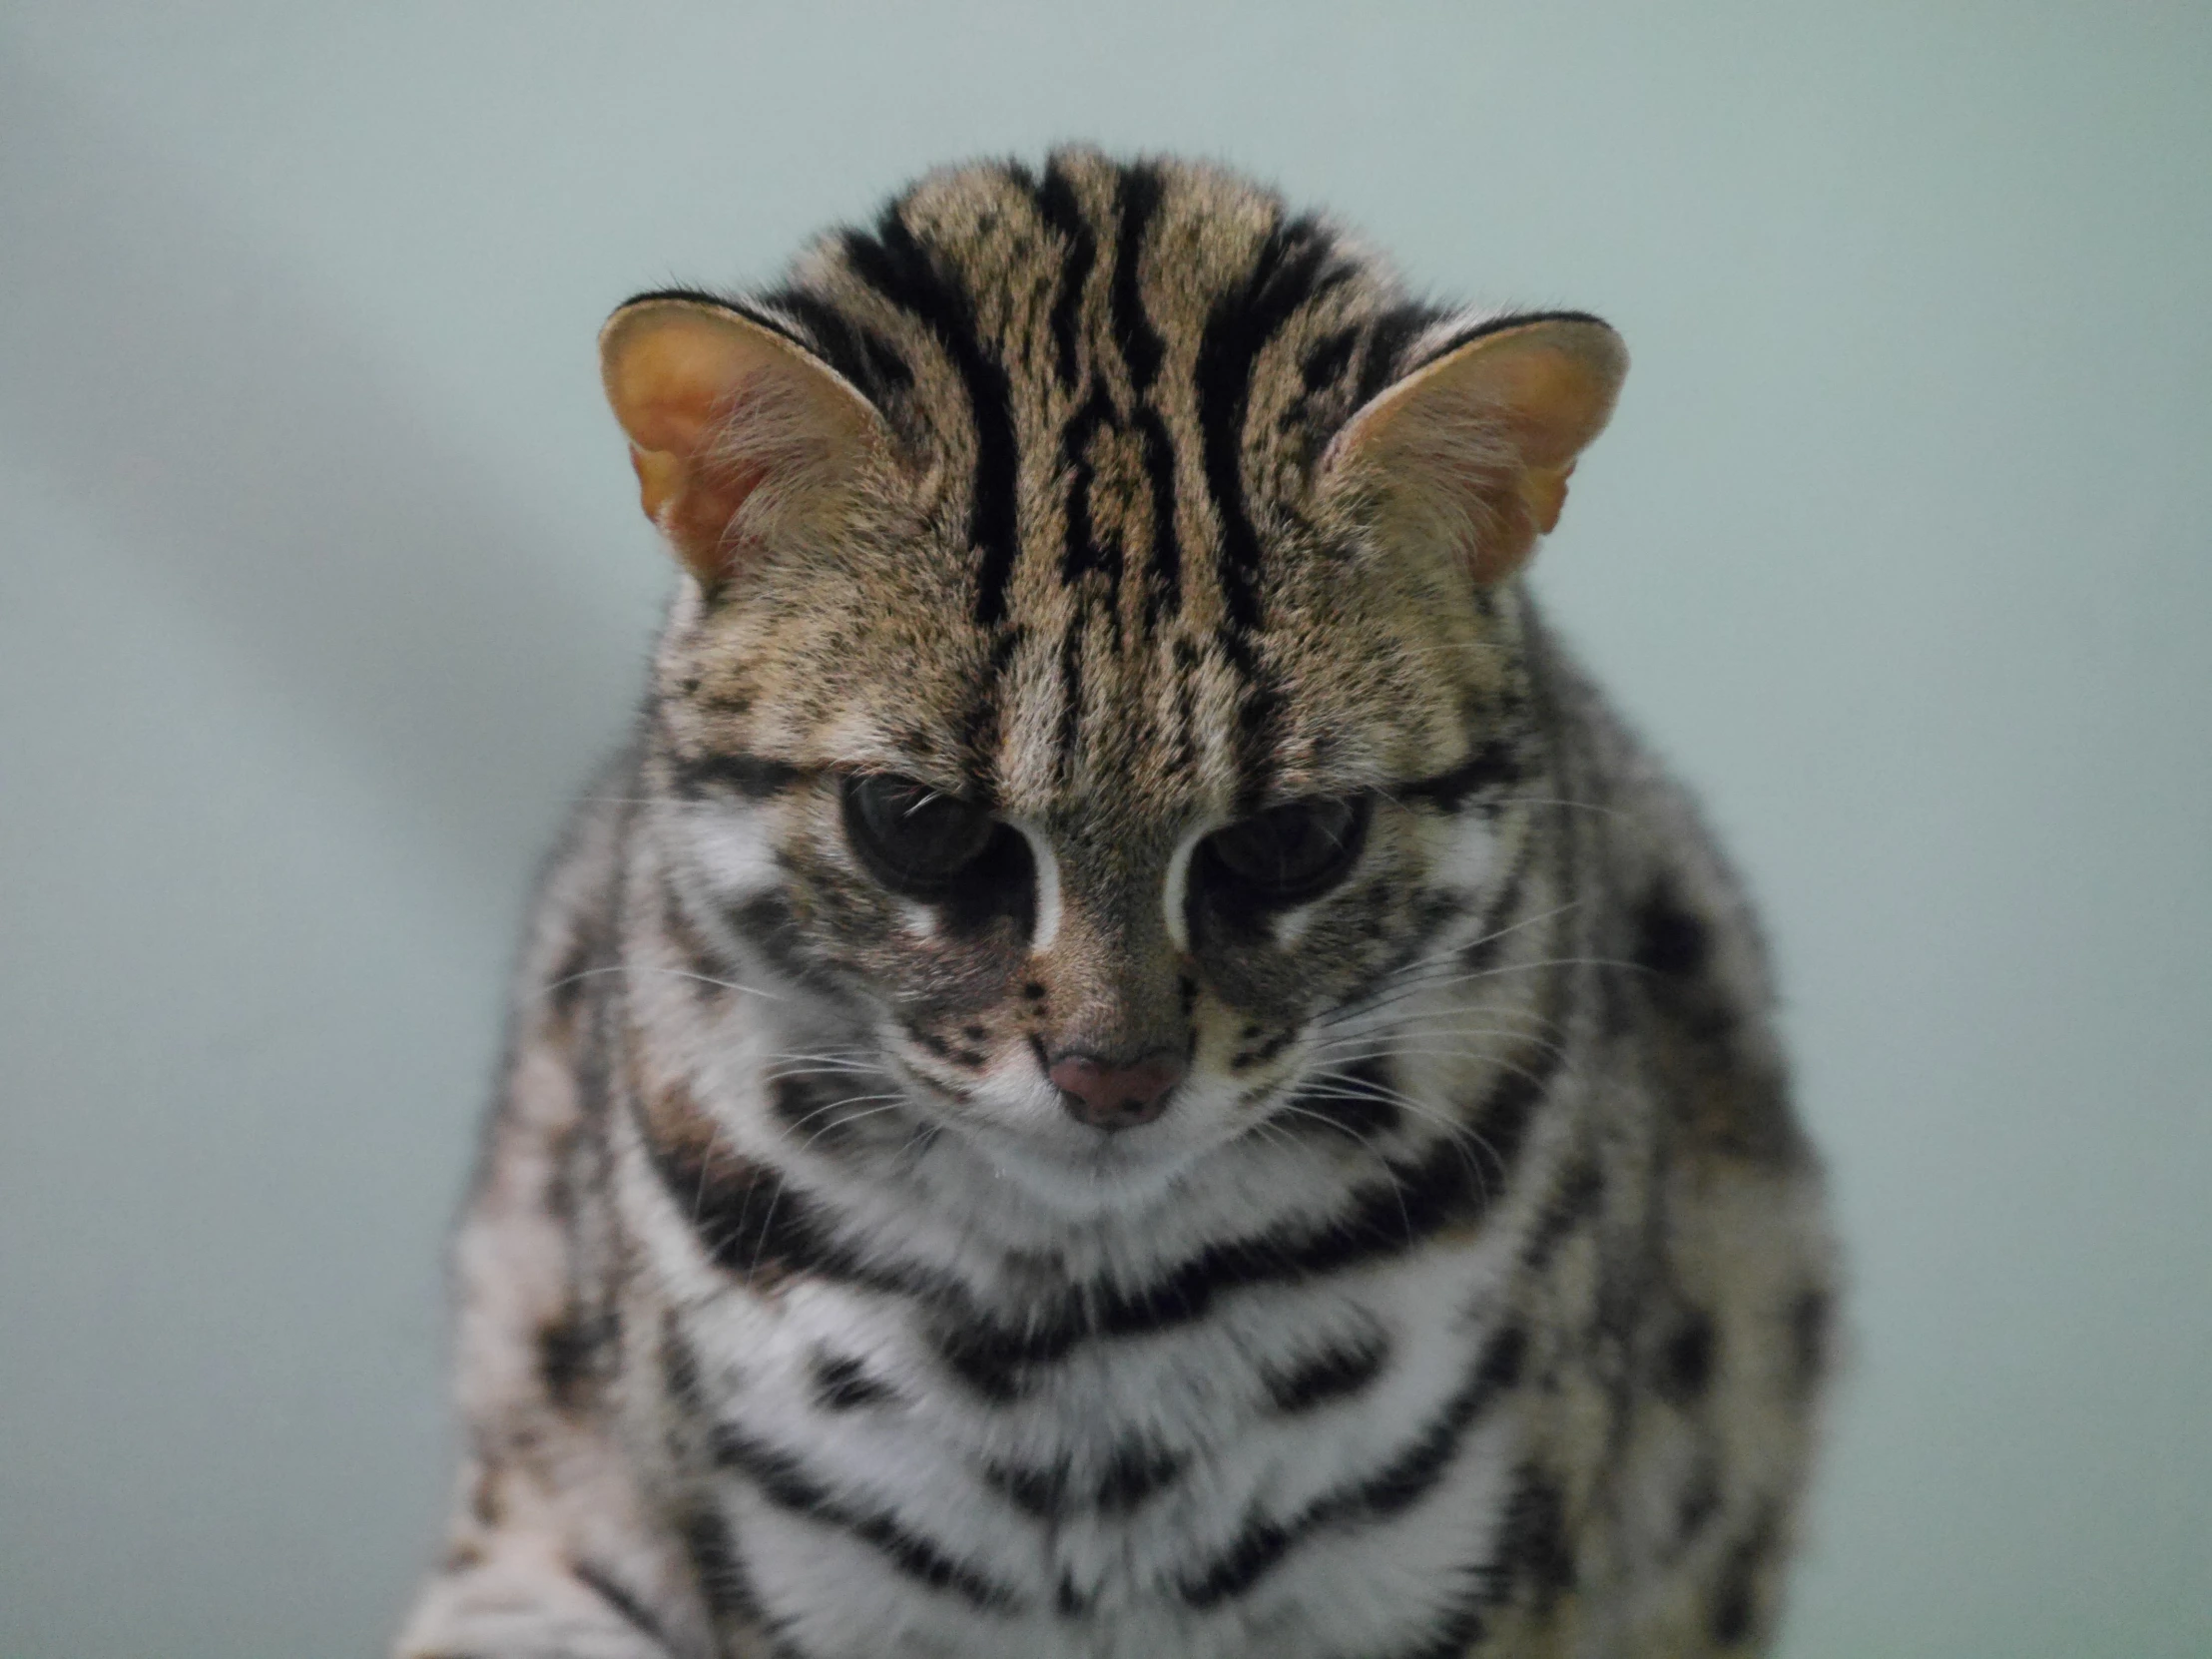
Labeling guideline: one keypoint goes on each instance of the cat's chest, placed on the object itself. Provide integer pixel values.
(1286, 1475)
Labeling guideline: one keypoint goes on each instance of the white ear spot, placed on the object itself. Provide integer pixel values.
(1049, 886)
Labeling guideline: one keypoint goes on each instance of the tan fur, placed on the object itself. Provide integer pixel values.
(1125, 507)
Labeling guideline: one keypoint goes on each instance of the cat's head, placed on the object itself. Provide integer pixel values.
(1098, 660)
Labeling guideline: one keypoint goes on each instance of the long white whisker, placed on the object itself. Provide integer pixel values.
(674, 973)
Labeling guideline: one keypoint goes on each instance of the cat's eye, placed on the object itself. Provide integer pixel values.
(917, 839)
(1291, 853)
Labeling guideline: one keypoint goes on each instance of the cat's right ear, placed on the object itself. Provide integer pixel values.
(735, 432)
(1472, 450)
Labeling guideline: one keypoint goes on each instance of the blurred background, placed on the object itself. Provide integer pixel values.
(322, 583)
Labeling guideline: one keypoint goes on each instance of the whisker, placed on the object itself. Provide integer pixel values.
(676, 974)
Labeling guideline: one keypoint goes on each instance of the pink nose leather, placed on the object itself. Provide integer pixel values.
(1114, 1097)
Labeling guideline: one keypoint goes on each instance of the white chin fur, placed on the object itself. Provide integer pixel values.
(1121, 1172)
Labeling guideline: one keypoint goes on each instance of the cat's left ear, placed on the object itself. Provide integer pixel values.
(1474, 447)
(736, 432)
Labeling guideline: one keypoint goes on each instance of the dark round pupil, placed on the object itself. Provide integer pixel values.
(913, 833)
(1293, 851)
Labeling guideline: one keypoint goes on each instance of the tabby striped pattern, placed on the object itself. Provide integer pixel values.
(1470, 1293)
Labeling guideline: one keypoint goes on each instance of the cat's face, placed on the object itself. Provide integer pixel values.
(1083, 855)
(1085, 703)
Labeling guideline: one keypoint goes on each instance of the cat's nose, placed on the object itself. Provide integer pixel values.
(1108, 1096)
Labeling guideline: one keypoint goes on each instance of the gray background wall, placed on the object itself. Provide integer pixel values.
(321, 583)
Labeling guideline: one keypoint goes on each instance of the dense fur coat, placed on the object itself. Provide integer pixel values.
(1101, 1244)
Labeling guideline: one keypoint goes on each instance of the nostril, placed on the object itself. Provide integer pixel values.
(1115, 1096)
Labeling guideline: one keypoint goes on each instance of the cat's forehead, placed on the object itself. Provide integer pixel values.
(1113, 385)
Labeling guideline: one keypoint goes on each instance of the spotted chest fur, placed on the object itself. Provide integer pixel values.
(1132, 1064)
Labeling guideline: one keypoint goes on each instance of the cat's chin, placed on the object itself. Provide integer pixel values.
(1113, 1177)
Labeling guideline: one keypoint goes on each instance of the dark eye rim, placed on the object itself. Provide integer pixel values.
(1322, 878)
(882, 861)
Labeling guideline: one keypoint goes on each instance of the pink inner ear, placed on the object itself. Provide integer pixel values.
(670, 388)
(695, 502)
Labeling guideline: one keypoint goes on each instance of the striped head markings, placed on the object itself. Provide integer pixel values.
(1098, 636)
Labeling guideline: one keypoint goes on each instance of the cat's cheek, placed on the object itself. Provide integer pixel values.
(733, 849)
(1465, 855)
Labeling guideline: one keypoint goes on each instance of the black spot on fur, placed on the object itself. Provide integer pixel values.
(1326, 360)
(841, 1384)
(1331, 1374)
(1736, 1587)
(1135, 1471)
(1699, 1501)
(1686, 1361)
(575, 1352)
(1670, 940)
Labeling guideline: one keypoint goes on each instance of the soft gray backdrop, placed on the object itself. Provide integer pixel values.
(321, 583)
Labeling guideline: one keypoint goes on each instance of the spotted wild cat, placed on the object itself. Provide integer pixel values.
(1132, 1064)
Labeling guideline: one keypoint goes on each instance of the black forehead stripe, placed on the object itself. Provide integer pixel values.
(1063, 215)
(1297, 263)
(900, 270)
(1082, 551)
(1137, 201)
